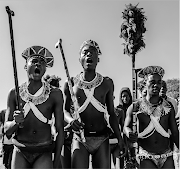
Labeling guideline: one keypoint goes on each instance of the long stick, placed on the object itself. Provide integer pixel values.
(73, 97)
(135, 146)
(11, 13)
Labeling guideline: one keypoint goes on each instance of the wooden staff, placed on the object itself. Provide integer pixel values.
(73, 97)
(10, 14)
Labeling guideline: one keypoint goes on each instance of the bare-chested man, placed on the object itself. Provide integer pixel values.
(94, 95)
(32, 126)
(155, 116)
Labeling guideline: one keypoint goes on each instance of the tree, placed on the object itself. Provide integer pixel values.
(173, 88)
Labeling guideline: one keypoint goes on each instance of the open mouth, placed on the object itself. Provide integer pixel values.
(89, 60)
(37, 71)
(155, 90)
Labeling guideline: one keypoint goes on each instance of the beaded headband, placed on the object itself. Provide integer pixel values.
(91, 43)
(143, 73)
(39, 51)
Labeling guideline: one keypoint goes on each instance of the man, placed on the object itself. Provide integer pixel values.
(7, 146)
(154, 117)
(94, 94)
(32, 126)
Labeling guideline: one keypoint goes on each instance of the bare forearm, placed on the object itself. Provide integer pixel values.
(127, 130)
(10, 127)
(176, 139)
(67, 117)
(114, 125)
(58, 147)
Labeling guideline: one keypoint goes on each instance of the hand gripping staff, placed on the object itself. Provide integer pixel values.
(74, 100)
(11, 13)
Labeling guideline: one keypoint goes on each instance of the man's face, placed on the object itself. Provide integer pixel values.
(89, 57)
(153, 84)
(163, 89)
(125, 97)
(36, 67)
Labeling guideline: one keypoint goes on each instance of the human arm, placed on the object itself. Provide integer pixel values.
(72, 123)
(1, 117)
(13, 117)
(174, 127)
(178, 117)
(121, 118)
(59, 126)
(128, 123)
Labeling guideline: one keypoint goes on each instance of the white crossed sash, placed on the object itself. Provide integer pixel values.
(90, 99)
(29, 105)
(153, 126)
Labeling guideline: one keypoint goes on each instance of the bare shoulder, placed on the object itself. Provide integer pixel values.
(108, 81)
(56, 93)
(130, 110)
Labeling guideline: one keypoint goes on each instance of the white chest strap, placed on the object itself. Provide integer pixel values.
(153, 126)
(29, 105)
(90, 99)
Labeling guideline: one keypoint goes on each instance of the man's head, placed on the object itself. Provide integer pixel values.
(53, 80)
(163, 90)
(37, 59)
(152, 76)
(89, 54)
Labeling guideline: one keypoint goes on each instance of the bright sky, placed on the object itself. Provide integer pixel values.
(43, 22)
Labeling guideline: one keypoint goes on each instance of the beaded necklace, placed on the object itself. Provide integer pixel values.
(41, 98)
(160, 109)
(82, 84)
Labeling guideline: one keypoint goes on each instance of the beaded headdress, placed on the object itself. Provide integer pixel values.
(39, 51)
(149, 70)
(91, 43)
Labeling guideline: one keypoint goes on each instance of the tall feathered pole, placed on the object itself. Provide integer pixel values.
(132, 30)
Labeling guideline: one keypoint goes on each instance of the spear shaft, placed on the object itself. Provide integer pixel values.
(10, 14)
(73, 97)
